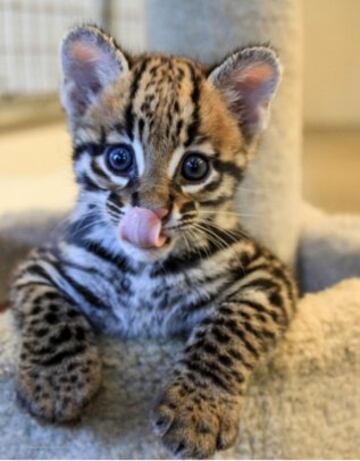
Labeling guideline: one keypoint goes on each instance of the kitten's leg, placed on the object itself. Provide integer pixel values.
(199, 410)
(59, 368)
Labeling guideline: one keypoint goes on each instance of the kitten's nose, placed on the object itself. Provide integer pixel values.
(161, 213)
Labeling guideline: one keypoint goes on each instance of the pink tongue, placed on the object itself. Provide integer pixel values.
(142, 227)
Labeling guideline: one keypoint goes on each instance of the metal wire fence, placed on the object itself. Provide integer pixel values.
(30, 33)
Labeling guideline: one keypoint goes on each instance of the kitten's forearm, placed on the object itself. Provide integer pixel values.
(254, 313)
(59, 368)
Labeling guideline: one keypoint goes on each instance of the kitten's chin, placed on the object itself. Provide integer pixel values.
(147, 254)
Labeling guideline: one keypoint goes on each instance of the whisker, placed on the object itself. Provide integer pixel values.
(213, 235)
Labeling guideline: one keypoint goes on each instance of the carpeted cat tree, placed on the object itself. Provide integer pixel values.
(304, 402)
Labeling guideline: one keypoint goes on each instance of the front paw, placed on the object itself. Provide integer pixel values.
(195, 421)
(58, 394)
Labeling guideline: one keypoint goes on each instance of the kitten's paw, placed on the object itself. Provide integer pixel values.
(194, 422)
(58, 394)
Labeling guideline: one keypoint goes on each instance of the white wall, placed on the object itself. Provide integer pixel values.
(332, 63)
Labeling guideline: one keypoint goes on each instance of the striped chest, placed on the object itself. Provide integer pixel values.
(143, 301)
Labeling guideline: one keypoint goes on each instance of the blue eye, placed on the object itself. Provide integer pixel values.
(120, 158)
(195, 167)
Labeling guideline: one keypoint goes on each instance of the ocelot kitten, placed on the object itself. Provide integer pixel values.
(154, 246)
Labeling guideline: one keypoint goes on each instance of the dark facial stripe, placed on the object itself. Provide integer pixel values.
(229, 168)
(135, 201)
(98, 171)
(129, 115)
(186, 207)
(90, 147)
(114, 209)
(88, 184)
(115, 200)
(141, 125)
(193, 128)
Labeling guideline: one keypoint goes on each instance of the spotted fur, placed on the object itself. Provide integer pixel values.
(232, 298)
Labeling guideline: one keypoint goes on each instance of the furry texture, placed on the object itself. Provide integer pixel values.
(273, 180)
(161, 144)
(302, 404)
(302, 387)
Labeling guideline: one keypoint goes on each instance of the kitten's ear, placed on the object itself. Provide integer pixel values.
(248, 80)
(90, 61)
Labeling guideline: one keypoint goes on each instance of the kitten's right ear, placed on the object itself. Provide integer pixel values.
(90, 61)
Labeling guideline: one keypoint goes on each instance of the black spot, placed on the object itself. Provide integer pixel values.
(72, 366)
(210, 348)
(36, 310)
(41, 332)
(51, 318)
(276, 298)
(53, 308)
(80, 333)
(51, 295)
(225, 360)
(186, 207)
(64, 336)
(73, 313)
(220, 335)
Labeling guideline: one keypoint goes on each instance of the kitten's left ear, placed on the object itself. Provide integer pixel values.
(90, 61)
(248, 80)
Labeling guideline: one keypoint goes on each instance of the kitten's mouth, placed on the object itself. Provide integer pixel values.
(143, 229)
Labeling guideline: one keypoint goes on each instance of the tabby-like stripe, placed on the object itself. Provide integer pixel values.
(193, 127)
(59, 357)
(129, 114)
(102, 253)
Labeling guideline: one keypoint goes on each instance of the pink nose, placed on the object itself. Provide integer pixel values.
(161, 212)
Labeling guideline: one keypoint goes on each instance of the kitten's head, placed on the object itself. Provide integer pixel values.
(161, 142)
